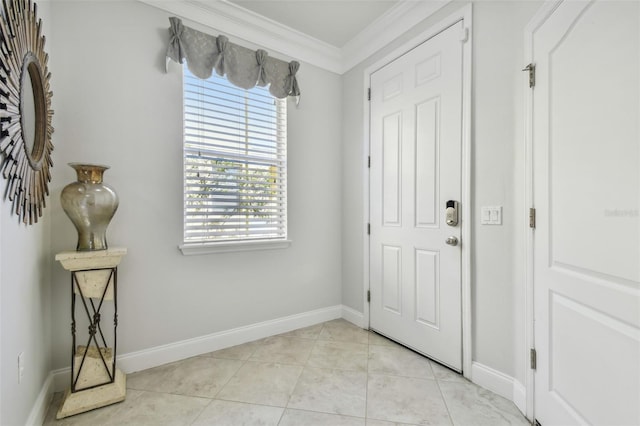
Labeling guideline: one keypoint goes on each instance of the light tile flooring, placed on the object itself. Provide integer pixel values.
(328, 374)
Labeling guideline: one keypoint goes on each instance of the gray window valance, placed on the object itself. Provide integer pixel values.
(243, 67)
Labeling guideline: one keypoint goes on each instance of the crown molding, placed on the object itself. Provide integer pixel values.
(236, 21)
(389, 26)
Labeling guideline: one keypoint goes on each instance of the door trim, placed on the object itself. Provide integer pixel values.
(541, 16)
(463, 14)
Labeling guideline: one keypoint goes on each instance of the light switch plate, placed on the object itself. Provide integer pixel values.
(491, 215)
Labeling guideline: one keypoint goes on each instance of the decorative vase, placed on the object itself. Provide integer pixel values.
(90, 204)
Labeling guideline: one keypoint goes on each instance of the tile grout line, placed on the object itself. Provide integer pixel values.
(200, 413)
(307, 410)
(301, 371)
(244, 362)
(444, 400)
(221, 387)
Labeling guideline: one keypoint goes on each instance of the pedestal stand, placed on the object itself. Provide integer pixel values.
(95, 380)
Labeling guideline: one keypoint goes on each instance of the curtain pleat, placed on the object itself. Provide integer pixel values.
(243, 67)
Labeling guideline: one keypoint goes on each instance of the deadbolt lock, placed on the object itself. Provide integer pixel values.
(452, 213)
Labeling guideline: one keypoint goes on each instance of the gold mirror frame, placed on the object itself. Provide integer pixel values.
(26, 166)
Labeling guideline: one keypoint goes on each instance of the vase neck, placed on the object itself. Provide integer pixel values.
(89, 173)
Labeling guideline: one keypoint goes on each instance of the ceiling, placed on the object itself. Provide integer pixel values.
(332, 21)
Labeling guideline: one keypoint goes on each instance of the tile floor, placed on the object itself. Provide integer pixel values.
(328, 374)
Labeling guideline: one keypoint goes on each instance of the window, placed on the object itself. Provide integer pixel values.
(235, 166)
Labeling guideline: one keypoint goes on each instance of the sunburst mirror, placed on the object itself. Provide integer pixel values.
(25, 110)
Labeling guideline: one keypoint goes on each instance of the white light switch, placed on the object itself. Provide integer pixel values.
(491, 215)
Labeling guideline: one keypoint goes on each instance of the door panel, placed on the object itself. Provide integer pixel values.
(426, 163)
(416, 134)
(391, 280)
(586, 153)
(597, 146)
(580, 335)
(391, 170)
(427, 288)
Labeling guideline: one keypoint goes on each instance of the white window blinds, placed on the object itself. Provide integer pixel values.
(235, 162)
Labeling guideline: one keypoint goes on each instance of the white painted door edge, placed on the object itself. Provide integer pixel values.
(538, 19)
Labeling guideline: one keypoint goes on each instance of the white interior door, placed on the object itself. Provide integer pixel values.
(416, 133)
(586, 155)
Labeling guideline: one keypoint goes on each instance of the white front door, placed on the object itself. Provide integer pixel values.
(586, 156)
(416, 139)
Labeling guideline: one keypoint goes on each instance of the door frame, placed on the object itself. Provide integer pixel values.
(541, 16)
(463, 14)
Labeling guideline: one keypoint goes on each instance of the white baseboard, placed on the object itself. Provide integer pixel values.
(520, 396)
(493, 380)
(353, 316)
(61, 379)
(39, 410)
(497, 382)
(159, 355)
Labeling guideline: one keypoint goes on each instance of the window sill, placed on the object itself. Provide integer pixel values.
(192, 249)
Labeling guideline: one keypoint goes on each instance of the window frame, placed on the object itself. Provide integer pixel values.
(209, 246)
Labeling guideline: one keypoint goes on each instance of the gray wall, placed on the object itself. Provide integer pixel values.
(117, 106)
(497, 299)
(25, 299)
(25, 309)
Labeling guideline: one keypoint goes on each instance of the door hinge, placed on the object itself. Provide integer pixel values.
(533, 358)
(368, 295)
(532, 74)
(532, 218)
(369, 94)
(368, 229)
(464, 35)
(369, 162)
